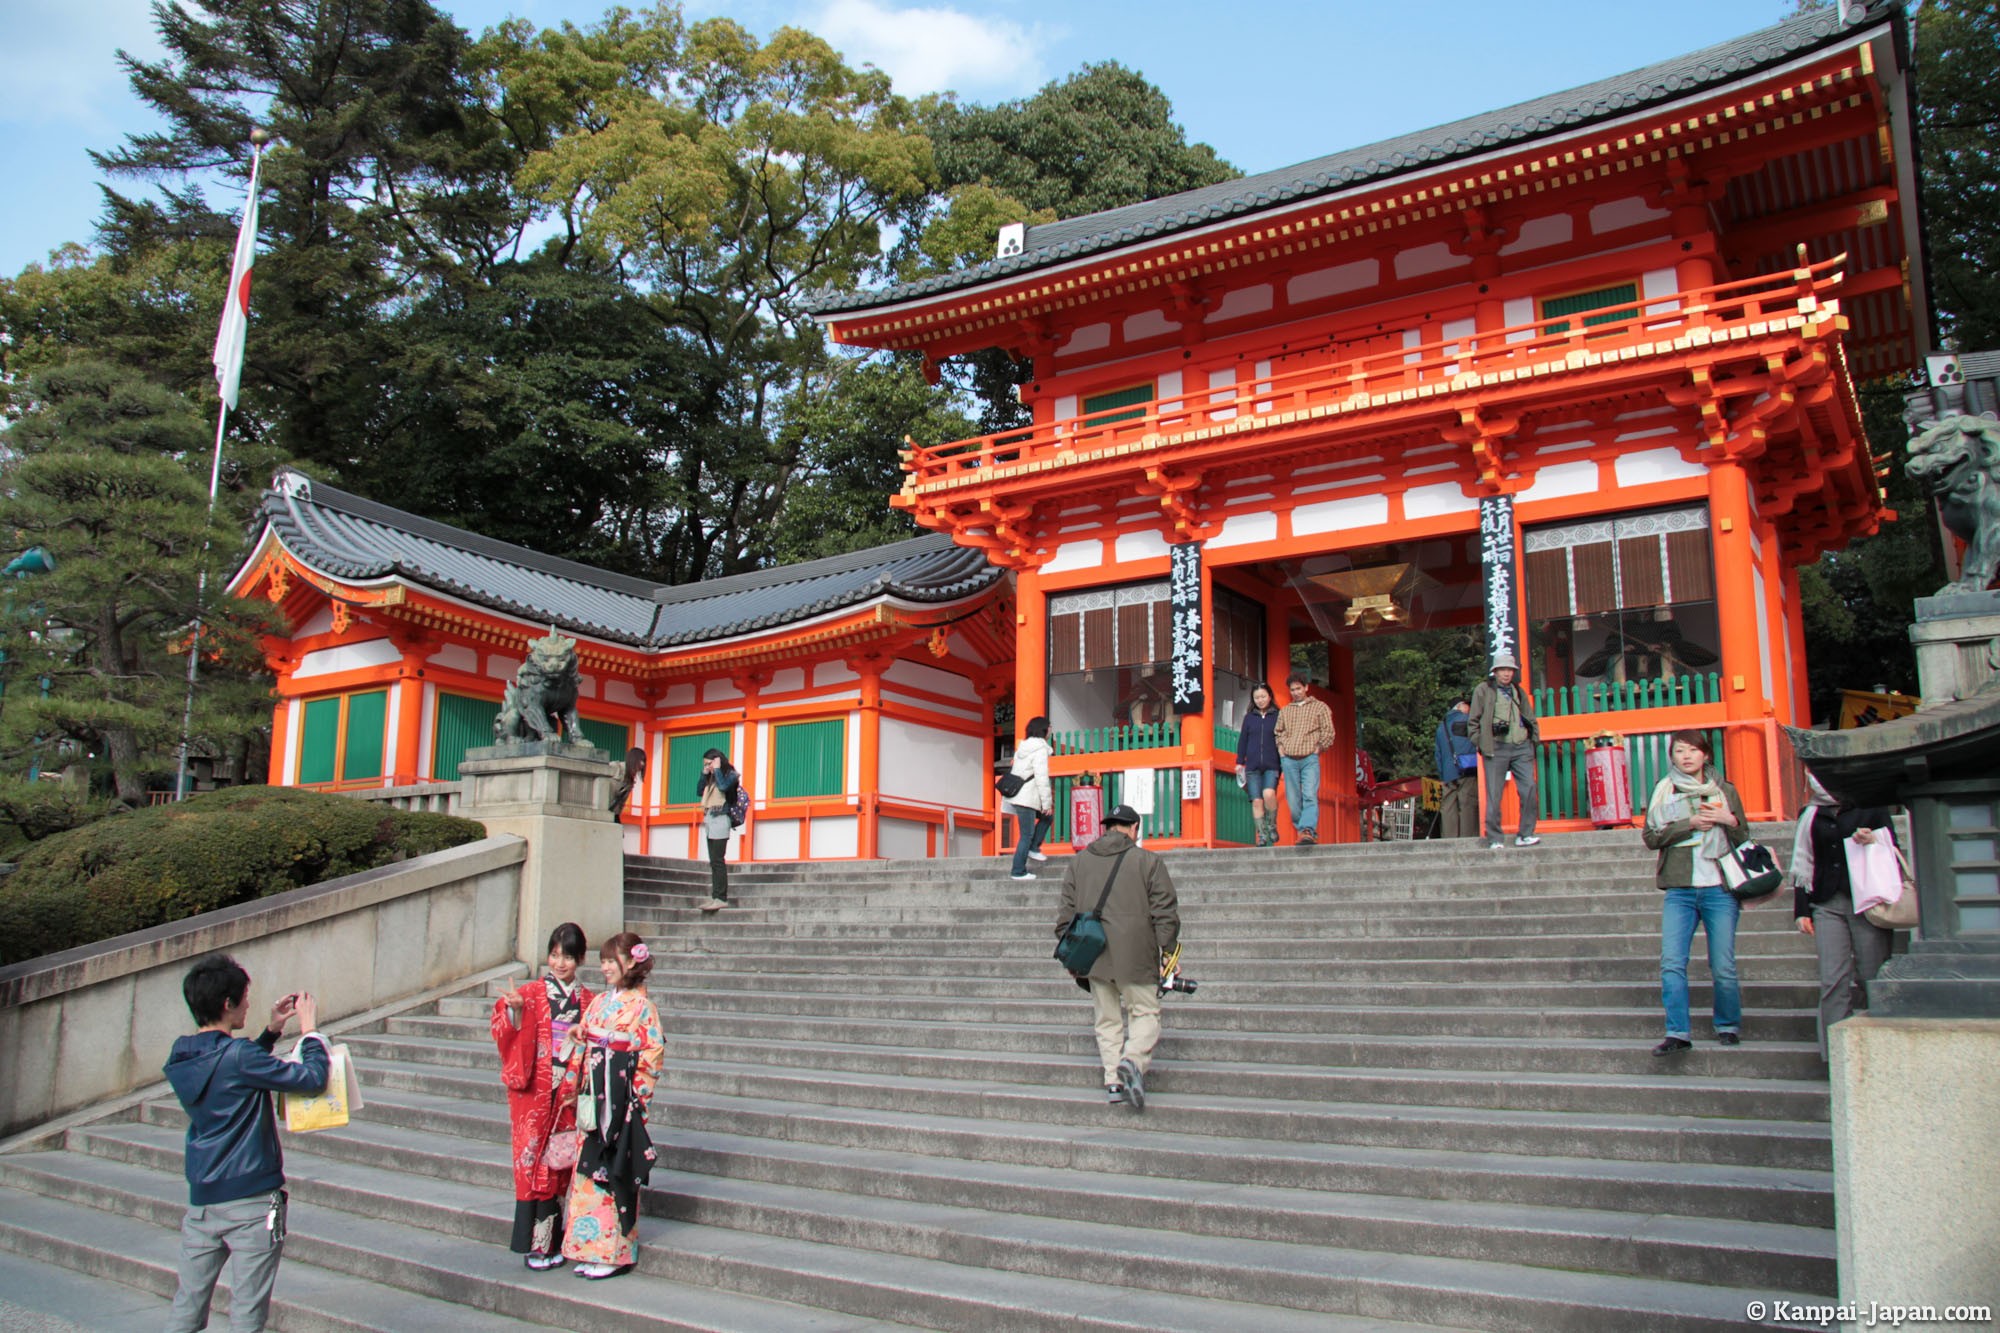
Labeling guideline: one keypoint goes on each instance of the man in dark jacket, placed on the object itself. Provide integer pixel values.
(1505, 729)
(235, 1169)
(1458, 770)
(1142, 922)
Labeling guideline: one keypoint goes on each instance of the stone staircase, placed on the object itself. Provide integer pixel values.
(1414, 1088)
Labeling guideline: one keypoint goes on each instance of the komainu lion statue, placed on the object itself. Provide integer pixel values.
(542, 695)
(1957, 459)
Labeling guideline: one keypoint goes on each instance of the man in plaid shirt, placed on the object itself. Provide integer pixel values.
(1305, 727)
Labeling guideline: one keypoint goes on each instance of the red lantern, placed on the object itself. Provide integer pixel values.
(1086, 813)
(1608, 774)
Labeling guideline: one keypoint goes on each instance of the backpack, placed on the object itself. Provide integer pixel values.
(739, 805)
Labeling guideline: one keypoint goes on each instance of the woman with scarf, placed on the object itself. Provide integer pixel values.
(616, 1061)
(1693, 819)
(1852, 948)
(531, 1026)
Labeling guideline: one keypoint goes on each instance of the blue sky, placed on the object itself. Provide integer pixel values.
(1267, 84)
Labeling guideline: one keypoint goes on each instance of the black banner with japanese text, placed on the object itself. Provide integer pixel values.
(1499, 567)
(1184, 596)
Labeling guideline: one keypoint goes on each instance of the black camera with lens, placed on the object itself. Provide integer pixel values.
(1175, 981)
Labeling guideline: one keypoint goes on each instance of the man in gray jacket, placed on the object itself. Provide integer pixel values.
(1504, 727)
(1142, 922)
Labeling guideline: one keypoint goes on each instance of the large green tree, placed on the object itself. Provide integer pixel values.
(1958, 125)
(107, 474)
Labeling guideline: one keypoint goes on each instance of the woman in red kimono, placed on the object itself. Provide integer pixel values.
(532, 1028)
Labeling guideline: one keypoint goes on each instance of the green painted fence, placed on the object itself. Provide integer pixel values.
(1233, 822)
(1565, 790)
(1618, 696)
(1107, 740)
(1164, 822)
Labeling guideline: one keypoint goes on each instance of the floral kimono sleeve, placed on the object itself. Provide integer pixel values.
(652, 1052)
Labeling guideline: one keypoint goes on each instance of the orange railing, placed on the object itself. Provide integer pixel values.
(1744, 308)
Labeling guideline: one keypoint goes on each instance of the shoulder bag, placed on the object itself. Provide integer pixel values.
(1901, 912)
(1749, 871)
(1083, 939)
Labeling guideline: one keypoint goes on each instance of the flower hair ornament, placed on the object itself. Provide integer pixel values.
(640, 953)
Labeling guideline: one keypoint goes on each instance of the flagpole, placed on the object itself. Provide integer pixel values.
(258, 138)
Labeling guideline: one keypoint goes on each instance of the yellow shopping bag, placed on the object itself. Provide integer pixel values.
(304, 1113)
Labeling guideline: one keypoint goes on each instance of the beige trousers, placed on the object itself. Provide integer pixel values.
(1116, 1038)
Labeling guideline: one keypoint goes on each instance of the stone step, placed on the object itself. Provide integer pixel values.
(716, 989)
(41, 1297)
(691, 1275)
(1447, 1014)
(112, 1247)
(1465, 1037)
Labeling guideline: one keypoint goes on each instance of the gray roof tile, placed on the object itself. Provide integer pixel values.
(347, 537)
(1074, 238)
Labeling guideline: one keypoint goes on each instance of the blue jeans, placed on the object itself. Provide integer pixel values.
(1302, 791)
(1033, 826)
(1717, 911)
(1257, 781)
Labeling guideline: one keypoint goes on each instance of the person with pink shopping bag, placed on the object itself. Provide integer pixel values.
(1829, 905)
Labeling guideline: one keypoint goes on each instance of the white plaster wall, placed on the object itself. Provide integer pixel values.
(1538, 232)
(1141, 545)
(833, 673)
(1436, 257)
(455, 657)
(787, 681)
(1763, 627)
(920, 677)
(1167, 391)
(1075, 555)
(586, 686)
(680, 695)
(1242, 529)
(967, 842)
(1561, 479)
(924, 764)
(1355, 511)
(1520, 310)
(1066, 407)
(621, 692)
(716, 689)
(1658, 284)
(776, 839)
(294, 719)
(839, 835)
(1222, 389)
(1622, 213)
(501, 667)
(852, 744)
(1322, 282)
(1089, 338)
(319, 622)
(427, 733)
(1147, 324)
(1243, 301)
(1445, 497)
(1455, 329)
(897, 840)
(1649, 465)
(347, 657)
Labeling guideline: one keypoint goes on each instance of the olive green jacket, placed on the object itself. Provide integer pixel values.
(1142, 917)
(1676, 868)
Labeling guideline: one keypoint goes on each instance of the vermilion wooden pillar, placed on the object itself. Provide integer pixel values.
(409, 719)
(1736, 605)
(1031, 648)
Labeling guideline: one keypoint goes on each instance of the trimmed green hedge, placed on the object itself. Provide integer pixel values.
(148, 867)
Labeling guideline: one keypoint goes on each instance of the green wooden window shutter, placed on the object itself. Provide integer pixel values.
(318, 738)
(367, 717)
(606, 736)
(1611, 303)
(1098, 410)
(809, 759)
(463, 723)
(684, 763)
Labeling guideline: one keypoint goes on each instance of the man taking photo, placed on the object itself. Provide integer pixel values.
(1142, 922)
(235, 1169)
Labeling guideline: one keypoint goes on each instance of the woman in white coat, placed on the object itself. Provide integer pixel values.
(1035, 804)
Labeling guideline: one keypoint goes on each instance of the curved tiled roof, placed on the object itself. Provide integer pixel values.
(1076, 238)
(353, 539)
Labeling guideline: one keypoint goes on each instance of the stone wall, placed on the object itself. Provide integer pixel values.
(86, 1024)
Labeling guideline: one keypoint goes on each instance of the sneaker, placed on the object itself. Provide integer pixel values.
(1307, 837)
(542, 1263)
(1528, 841)
(1496, 846)
(1038, 856)
(1024, 875)
(1672, 1046)
(713, 905)
(1114, 1094)
(1135, 1084)
(1728, 1039)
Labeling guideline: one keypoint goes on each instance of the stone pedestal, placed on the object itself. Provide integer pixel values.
(1916, 1165)
(1957, 637)
(557, 798)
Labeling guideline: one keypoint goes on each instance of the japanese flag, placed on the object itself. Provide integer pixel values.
(236, 304)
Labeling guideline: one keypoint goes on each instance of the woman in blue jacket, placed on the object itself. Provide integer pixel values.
(1257, 762)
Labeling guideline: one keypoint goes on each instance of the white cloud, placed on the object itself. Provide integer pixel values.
(933, 49)
(59, 59)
